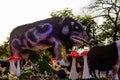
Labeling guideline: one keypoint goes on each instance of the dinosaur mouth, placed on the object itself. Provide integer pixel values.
(78, 40)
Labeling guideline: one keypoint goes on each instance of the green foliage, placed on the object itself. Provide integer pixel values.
(41, 67)
(4, 73)
(85, 20)
(44, 66)
(5, 50)
(26, 74)
(107, 31)
(62, 13)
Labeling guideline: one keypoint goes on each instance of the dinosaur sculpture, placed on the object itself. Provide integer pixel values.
(52, 32)
(105, 58)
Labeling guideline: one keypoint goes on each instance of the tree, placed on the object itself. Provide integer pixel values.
(110, 10)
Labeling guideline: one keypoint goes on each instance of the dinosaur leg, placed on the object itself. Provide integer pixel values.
(60, 53)
(15, 49)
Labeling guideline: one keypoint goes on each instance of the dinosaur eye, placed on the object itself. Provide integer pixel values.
(76, 27)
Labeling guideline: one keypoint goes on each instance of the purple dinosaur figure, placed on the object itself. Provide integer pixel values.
(51, 32)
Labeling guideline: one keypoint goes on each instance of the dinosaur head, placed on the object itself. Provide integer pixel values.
(76, 32)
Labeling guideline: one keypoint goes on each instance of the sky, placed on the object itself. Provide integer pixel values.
(18, 12)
